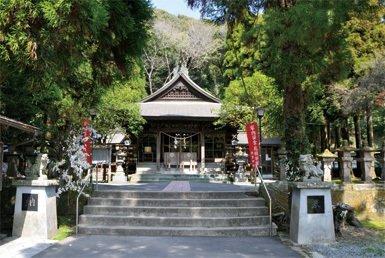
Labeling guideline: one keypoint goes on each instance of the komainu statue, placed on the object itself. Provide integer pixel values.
(311, 172)
(39, 168)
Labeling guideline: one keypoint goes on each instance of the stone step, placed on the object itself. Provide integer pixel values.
(210, 222)
(157, 177)
(156, 202)
(170, 195)
(175, 211)
(159, 180)
(168, 180)
(169, 175)
(176, 231)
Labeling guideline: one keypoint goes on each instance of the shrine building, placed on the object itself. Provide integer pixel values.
(180, 134)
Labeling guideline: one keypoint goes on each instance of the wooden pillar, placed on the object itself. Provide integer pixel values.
(158, 149)
(202, 152)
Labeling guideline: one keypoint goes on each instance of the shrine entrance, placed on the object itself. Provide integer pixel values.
(180, 151)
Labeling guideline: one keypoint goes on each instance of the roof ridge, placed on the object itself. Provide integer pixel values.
(175, 78)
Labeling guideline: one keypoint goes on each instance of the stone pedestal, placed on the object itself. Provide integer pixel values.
(367, 165)
(311, 218)
(119, 176)
(345, 165)
(35, 209)
(327, 158)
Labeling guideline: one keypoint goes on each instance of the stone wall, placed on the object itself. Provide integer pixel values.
(367, 199)
(279, 194)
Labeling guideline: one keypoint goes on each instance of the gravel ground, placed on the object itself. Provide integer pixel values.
(354, 242)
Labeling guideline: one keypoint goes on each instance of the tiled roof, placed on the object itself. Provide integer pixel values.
(180, 109)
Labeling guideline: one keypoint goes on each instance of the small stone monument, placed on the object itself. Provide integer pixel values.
(327, 158)
(35, 207)
(311, 218)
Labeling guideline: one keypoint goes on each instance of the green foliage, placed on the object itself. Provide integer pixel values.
(119, 107)
(239, 103)
(304, 51)
(58, 57)
(244, 42)
(365, 32)
(181, 40)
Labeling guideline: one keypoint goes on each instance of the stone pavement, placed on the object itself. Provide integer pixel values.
(178, 186)
(161, 247)
(193, 186)
(23, 247)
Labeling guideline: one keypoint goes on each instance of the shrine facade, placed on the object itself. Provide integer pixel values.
(180, 134)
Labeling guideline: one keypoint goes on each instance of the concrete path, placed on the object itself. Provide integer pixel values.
(177, 186)
(163, 185)
(23, 247)
(162, 247)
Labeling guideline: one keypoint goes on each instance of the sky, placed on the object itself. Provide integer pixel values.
(176, 7)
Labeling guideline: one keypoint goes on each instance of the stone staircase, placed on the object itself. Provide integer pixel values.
(166, 177)
(150, 213)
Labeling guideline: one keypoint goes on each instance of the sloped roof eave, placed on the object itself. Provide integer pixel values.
(169, 84)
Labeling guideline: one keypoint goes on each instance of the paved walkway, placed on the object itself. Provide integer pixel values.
(162, 247)
(23, 247)
(187, 185)
(178, 186)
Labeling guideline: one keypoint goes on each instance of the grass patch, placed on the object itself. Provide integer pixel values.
(376, 224)
(66, 228)
(337, 181)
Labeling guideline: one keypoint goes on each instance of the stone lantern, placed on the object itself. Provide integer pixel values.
(345, 162)
(327, 158)
(120, 176)
(241, 159)
(367, 164)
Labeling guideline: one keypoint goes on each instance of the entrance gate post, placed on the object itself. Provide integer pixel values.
(202, 152)
(158, 149)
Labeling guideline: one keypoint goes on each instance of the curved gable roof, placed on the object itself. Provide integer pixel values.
(195, 90)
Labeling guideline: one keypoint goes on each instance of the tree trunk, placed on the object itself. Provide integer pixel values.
(369, 126)
(325, 134)
(337, 133)
(323, 137)
(357, 131)
(328, 134)
(345, 129)
(295, 135)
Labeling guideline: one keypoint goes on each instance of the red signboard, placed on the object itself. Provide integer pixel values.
(87, 141)
(254, 144)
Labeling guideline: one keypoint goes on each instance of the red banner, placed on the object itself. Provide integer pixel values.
(254, 144)
(87, 141)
